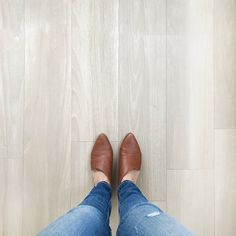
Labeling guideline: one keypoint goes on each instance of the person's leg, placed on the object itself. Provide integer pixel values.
(139, 217)
(129, 196)
(91, 217)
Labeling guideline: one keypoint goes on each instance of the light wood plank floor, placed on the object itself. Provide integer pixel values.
(163, 69)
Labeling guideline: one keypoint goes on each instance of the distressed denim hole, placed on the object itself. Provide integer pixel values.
(155, 213)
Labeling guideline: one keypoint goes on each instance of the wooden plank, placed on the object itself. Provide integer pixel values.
(142, 89)
(225, 182)
(94, 69)
(142, 17)
(11, 197)
(81, 177)
(190, 17)
(190, 198)
(225, 61)
(47, 132)
(12, 64)
(3, 151)
(114, 218)
(190, 104)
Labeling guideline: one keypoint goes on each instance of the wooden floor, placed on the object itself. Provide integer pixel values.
(163, 69)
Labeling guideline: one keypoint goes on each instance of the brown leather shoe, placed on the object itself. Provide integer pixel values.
(130, 156)
(102, 156)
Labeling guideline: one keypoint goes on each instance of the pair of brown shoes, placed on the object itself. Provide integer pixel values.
(102, 156)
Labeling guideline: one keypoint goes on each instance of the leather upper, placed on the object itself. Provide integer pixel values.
(130, 156)
(102, 156)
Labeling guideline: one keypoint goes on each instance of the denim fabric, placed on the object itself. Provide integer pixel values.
(90, 218)
(100, 198)
(137, 216)
(129, 196)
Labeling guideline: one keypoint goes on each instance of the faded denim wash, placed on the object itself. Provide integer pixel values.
(137, 216)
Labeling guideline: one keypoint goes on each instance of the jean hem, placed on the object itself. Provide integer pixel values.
(123, 183)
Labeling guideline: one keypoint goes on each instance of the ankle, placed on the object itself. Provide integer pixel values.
(99, 176)
(131, 176)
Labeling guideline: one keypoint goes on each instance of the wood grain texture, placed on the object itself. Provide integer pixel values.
(12, 48)
(47, 132)
(94, 69)
(11, 197)
(145, 17)
(225, 61)
(225, 182)
(72, 69)
(190, 198)
(81, 178)
(190, 17)
(190, 100)
(114, 218)
(142, 86)
(3, 151)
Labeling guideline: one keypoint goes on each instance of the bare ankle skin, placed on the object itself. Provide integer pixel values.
(99, 176)
(131, 176)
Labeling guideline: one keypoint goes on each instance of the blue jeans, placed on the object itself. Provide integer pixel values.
(137, 216)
